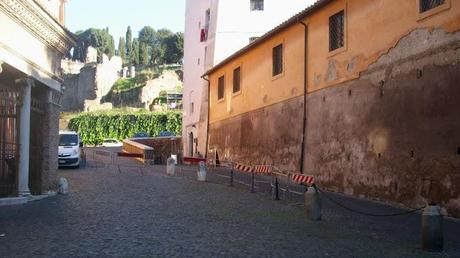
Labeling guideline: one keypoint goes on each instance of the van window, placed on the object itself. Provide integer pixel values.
(68, 140)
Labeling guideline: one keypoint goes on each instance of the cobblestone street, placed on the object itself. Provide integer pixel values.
(135, 212)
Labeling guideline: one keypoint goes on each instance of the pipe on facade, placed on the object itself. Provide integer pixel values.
(304, 128)
(207, 122)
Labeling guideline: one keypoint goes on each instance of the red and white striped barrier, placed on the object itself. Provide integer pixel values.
(309, 180)
(244, 168)
(263, 169)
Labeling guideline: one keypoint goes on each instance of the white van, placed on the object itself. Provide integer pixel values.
(70, 149)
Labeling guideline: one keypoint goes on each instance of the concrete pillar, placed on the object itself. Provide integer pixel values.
(24, 134)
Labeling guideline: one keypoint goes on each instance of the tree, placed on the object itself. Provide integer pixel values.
(148, 35)
(129, 45)
(144, 53)
(122, 49)
(174, 48)
(160, 47)
(157, 55)
(101, 40)
(135, 53)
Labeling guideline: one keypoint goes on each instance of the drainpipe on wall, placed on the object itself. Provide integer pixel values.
(304, 129)
(207, 122)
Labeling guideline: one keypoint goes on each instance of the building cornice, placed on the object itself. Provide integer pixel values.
(31, 16)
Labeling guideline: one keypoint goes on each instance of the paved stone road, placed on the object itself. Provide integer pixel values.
(147, 214)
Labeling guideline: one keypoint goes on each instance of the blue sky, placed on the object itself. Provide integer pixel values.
(117, 15)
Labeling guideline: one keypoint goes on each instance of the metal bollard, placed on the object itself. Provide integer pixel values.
(313, 203)
(231, 177)
(277, 196)
(432, 229)
(201, 173)
(170, 166)
(253, 183)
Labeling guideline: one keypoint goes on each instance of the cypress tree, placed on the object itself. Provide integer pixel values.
(129, 45)
(135, 52)
(144, 54)
(122, 49)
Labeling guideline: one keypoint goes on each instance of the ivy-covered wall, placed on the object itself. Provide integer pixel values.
(94, 127)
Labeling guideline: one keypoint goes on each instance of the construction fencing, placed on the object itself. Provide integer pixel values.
(293, 187)
(264, 179)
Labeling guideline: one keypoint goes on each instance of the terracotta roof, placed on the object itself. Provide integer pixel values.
(294, 19)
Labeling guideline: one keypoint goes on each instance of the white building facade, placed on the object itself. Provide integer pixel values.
(215, 29)
(33, 40)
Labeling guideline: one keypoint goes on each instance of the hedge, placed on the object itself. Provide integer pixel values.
(94, 127)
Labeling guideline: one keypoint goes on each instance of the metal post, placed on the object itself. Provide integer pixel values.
(432, 229)
(277, 197)
(253, 183)
(231, 176)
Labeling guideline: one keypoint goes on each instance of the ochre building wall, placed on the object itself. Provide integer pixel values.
(382, 112)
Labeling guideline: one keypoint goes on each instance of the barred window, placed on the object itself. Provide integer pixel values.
(221, 88)
(337, 31)
(426, 5)
(257, 5)
(236, 80)
(277, 60)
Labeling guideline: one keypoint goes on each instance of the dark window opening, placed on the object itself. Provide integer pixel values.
(337, 31)
(412, 154)
(458, 151)
(257, 5)
(221, 88)
(426, 5)
(278, 60)
(236, 80)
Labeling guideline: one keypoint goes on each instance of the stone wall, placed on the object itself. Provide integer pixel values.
(271, 135)
(390, 135)
(44, 140)
(85, 89)
(168, 81)
(142, 97)
(50, 146)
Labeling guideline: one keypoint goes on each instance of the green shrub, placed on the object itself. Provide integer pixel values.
(124, 84)
(94, 127)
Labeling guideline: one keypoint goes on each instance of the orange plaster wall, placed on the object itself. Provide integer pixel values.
(373, 27)
(258, 87)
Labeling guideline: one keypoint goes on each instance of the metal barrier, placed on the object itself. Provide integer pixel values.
(432, 219)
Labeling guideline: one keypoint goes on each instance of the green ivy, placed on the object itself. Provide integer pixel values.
(95, 127)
